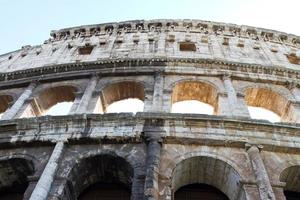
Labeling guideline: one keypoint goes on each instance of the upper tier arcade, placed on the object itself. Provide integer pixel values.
(165, 40)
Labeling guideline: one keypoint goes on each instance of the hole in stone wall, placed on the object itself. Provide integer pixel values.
(262, 113)
(62, 108)
(187, 46)
(48, 98)
(5, 101)
(202, 95)
(85, 50)
(268, 100)
(133, 105)
(14, 182)
(290, 195)
(293, 58)
(290, 176)
(199, 191)
(106, 191)
(202, 170)
(131, 92)
(108, 173)
(193, 107)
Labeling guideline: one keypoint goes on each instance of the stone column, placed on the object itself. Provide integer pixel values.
(279, 191)
(137, 188)
(43, 186)
(78, 96)
(87, 95)
(236, 103)
(153, 134)
(13, 111)
(32, 181)
(161, 45)
(157, 104)
(223, 105)
(293, 112)
(61, 188)
(261, 175)
(167, 100)
(148, 101)
(248, 191)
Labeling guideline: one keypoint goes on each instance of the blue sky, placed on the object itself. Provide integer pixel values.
(30, 21)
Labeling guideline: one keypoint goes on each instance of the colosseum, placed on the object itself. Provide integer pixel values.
(155, 154)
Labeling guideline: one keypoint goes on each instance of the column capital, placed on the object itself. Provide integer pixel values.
(35, 82)
(78, 94)
(153, 130)
(227, 76)
(95, 75)
(28, 100)
(258, 146)
(158, 72)
(292, 84)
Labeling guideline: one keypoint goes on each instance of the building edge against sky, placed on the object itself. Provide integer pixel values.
(154, 154)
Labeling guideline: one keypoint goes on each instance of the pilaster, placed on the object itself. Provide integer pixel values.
(87, 95)
(153, 133)
(260, 172)
(43, 186)
(235, 101)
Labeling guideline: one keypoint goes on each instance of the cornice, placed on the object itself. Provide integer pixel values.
(141, 66)
(185, 25)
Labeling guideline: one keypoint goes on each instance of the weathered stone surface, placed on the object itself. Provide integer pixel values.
(153, 153)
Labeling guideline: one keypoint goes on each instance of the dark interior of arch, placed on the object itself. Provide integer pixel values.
(199, 191)
(194, 90)
(121, 91)
(99, 172)
(208, 170)
(106, 191)
(291, 176)
(4, 102)
(13, 179)
(51, 96)
(290, 195)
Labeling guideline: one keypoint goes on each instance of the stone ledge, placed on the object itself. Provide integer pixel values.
(128, 128)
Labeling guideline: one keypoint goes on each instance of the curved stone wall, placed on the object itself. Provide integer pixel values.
(153, 153)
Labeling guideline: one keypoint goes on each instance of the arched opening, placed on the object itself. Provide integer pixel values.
(193, 107)
(194, 97)
(59, 99)
(122, 97)
(5, 101)
(14, 181)
(106, 177)
(266, 104)
(133, 105)
(262, 113)
(199, 191)
(291, 176)
(62, 108)
(206, 178)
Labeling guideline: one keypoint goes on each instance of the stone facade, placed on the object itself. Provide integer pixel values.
(154, 153)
